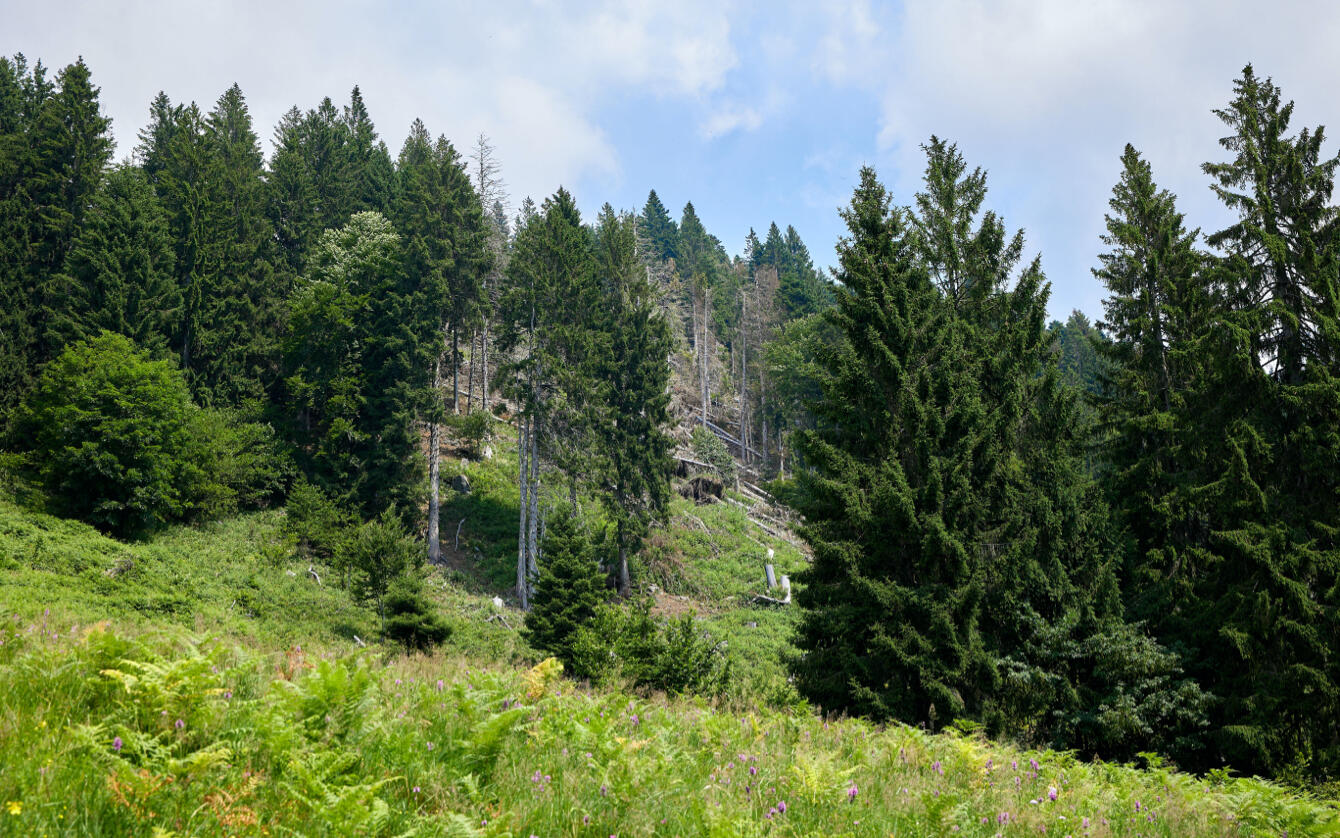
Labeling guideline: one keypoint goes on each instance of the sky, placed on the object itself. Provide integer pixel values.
(755, 112)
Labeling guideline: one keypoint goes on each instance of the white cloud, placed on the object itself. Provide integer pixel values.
(533, 75)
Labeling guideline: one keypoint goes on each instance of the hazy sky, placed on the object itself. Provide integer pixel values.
(755, 112)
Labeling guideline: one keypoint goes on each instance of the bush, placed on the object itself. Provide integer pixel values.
(242, 459)
(411, 619)
(313, 520)
(475, 430)
(373, 554)
(110, 433)
(678, 657)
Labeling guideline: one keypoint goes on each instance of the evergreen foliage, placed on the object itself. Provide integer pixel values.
(661, 231)
(568, 591)
(412, 620)
(355, 372)
(119, 275)
(633, 377)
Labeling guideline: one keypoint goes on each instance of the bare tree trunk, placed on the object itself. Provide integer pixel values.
(533, 565)
(625, 583)
(455, 373)
(470, 381)
(523, 484)
(484, 370)
(434, 469)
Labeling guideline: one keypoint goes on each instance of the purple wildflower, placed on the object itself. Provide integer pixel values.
(416, 789)
(752, 771)
(1051, 793)
(1137, 805)
(180, 724)
(851, 794)
(938, 768)
(440, 685)
(781, 807)
(116, 743)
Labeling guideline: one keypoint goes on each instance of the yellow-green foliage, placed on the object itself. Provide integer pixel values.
(115, 733)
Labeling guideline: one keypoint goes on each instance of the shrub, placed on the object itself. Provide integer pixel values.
(475, 430)
(677, 657)
(411, 619)
(313, 520)
(374, 553)
(110, 436)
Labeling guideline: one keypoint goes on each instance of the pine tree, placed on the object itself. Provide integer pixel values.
(119, 274)
(569, 589)
(891, 601)
(1258, 582)
(660, 229)
(551, 296)
(634, 375)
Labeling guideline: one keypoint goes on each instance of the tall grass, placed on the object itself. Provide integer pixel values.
(115, 733)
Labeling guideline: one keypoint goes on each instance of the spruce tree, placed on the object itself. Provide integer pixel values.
(119, 274)
(551, 298)
(634, 400)
(569, 589)
(889, 626)
(1261, 611)
(660, 229)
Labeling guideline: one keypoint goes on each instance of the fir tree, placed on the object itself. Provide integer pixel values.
(660, 229)
(569, 589)
(119, 274)
(889, 626)
(634, 377)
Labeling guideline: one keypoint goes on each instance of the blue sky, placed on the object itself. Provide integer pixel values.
(755, 112)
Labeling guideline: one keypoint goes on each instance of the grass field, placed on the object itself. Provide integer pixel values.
(205, 683)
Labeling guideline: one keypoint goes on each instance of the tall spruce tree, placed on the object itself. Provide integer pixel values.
(568, 591)
(1260, 586)
(634, 375)
(445, 252)
(546, 329)
(357, 358)
(119, 274)
(54, 150)
(889, 626)
(660, 229)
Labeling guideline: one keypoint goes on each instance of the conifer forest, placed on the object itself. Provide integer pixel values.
(616, 452)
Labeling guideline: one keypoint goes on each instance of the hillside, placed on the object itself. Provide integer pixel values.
(200, 684)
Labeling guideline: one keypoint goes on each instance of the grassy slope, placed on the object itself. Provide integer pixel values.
(286, 728)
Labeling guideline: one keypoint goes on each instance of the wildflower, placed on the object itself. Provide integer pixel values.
(634, 720)
(116, 744)
(1137, 805)
(416, 789)
(430, 746)
(989, 763)
(604, 790)
(1033, 764)
(781, 807)
(15, 807)
(1051, 793)
(1003, 818)
(440, 685)
(752, 771)
(586, 819)
(1085, 823)
(180, 724)
(937, 768)
(228, 695)
(851, 794)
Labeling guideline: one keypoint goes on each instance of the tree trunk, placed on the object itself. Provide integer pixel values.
(523, 485)
(434, 469)
(455, 373)
(470, 381)
(532, 564)
(484, 367)
(625, 584)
